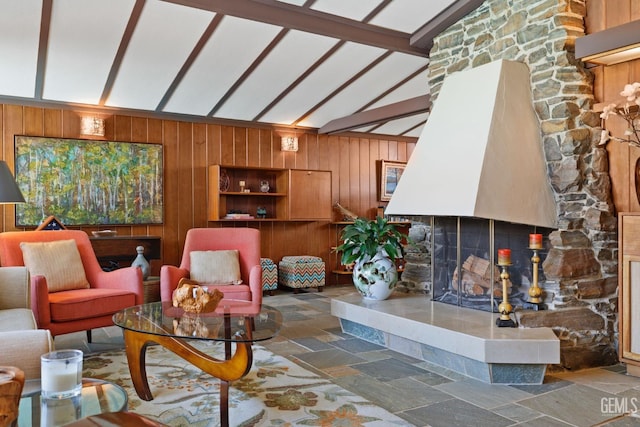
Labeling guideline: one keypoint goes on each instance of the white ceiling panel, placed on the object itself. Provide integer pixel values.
(19, 39)
(417, 86)
(382, 77)
(340, 67)
(354, 9)
(293, 55)
(409, 15)
(415, 133)
(163, 39)
(82, 48)
(229, 52)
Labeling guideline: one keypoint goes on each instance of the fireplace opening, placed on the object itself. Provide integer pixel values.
(464, 261)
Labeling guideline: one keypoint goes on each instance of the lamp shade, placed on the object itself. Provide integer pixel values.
(9, 191)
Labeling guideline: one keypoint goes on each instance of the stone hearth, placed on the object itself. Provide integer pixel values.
(457, 338)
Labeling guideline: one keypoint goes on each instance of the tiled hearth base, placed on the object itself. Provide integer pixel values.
(461, 339)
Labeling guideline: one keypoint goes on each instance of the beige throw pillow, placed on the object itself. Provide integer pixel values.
(59, 262)
(219, 267)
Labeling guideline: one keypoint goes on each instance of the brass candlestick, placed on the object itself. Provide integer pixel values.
(505, 308)
(535, 292)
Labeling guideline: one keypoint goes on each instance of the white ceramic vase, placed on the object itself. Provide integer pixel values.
(375, 278)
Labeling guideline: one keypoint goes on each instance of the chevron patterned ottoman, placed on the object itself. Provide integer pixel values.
(301, 272)
(269, 275)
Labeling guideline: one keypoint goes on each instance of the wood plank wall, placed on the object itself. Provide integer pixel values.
(608, 82)
(190, 147)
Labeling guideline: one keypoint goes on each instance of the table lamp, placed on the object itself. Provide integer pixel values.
(9, 191)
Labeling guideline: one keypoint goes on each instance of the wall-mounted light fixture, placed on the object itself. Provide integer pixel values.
(289, 143)
(610, 46)
(90, 125)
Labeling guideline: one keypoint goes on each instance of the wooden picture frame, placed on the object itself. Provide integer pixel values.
(389, 174)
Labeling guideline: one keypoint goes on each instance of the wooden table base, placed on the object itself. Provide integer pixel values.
(233, 368)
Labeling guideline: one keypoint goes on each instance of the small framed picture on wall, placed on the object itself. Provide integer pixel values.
(389, 174)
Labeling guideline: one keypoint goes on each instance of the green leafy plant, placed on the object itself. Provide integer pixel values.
(364, 238)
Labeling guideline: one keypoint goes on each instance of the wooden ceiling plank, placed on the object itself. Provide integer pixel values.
(409, 107)
(43, 47)
(423, 38)
(309, 20)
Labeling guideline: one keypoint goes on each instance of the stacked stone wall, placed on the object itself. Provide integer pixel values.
(581, 266)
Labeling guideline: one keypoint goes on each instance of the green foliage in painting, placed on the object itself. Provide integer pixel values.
(88, 182)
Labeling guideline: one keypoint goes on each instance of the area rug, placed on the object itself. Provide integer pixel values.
(276, 392)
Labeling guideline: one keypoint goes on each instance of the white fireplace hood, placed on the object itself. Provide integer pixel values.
(480, 152)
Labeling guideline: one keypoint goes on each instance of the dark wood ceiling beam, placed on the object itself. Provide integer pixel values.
(208, 32)
(423, 38)
(124, 44)
(309, 20)
(43, 47)
(398, 110)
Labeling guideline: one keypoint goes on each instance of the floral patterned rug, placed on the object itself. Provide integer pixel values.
(276, 392)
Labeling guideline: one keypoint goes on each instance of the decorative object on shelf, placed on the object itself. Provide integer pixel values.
(193, 298)
(346, 214)
(505, 309)
(141, 262)
(261, 212)
(264, 186)
(103, 233)
(389, 174)
(630, 113)
(535, 292)
(374, 246)
(242, 184)
(224, 181)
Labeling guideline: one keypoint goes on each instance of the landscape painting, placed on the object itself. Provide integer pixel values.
(87, 182)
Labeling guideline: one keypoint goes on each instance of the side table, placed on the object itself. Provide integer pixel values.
(97, 397)
(151, 289)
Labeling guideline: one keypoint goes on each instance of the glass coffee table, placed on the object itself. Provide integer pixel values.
(240, 323)
(97, 397)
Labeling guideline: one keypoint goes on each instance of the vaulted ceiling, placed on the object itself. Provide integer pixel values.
(332, 65)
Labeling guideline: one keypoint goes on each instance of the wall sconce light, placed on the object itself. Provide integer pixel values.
(610, 46)
(90, 125)
(289, 143)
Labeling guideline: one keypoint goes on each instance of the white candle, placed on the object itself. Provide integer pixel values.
(61, 373)
(57, 378)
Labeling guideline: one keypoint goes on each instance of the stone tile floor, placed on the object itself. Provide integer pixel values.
(422, 393)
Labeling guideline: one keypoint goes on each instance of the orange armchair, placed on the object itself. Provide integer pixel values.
(245, 240)
(74, 310)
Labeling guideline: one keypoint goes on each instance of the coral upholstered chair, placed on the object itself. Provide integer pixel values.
(199, 240)
(62, 306)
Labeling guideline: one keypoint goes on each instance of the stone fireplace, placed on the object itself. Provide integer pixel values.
(579, 268)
